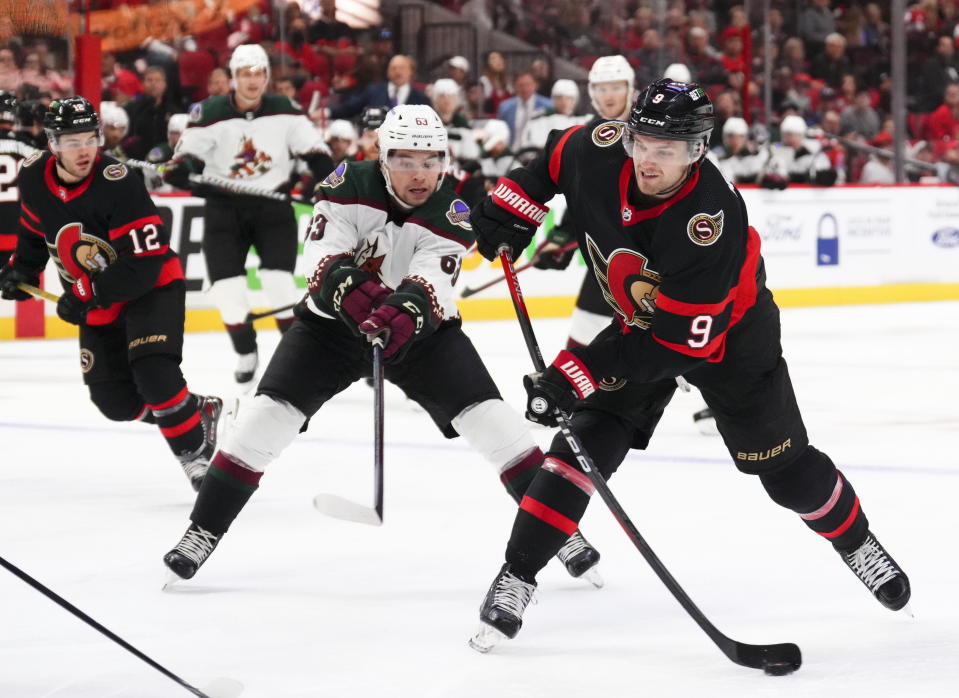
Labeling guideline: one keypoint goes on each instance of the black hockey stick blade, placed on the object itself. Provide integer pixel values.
(775, 660)
(341, 508)
(221, 688)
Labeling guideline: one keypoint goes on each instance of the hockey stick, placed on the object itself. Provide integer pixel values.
(467, 292)
(237, 187)
(340, 508)
(251, 316)
(39, 292)
(218, 688)
(775, 659)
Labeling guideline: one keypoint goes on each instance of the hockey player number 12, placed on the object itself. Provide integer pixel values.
(149, 235)
(8, 178)
(700, 327)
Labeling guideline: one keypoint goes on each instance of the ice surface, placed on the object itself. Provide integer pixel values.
(296, 604)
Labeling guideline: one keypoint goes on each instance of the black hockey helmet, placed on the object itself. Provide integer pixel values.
(8, 106)
(678, 111)
(372, 118)
(70, 115)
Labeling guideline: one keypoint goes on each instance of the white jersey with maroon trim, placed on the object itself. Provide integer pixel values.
(257, 147)
(355, 217)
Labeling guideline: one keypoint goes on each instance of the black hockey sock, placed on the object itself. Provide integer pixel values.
(226, 489)
(548, 515)
(812, 487)
(243, 337)
(517, 476)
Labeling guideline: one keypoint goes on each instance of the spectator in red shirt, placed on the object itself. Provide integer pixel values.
(942, 123)
(118, 84)
(733, 59)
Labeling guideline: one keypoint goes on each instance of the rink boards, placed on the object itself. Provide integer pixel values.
(844, 245)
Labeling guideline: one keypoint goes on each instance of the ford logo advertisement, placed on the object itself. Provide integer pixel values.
(946, 237)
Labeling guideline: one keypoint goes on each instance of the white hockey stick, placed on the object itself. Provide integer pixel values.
(237, 187)
(340, 508)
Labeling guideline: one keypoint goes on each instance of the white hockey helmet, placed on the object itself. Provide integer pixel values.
(445, 86)
(678, 72)
(112, 114)
(565, 88)
(611, 69)
(793, 124)
(736, 126)
(412, 127)
(177, 123)
(341, 128)
(249, 56)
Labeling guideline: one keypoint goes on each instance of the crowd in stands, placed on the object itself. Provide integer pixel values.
(829, 62)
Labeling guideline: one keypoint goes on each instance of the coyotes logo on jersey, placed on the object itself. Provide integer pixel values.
(628, 285)
(77, 253)
(368, 260)
(249, 161)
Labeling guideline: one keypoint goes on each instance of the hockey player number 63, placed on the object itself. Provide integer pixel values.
(148, 234)
(700, 327)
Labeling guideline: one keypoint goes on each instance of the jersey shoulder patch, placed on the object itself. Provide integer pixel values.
(336, 177)
(115, 171)
(211, 109)
(607, 133)
(32, 158)
(459, 214)
(704, 229)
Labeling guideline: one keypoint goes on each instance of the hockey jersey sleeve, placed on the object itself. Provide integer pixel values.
(141, 241)
(705, 290)
(31, 252)
(197, 140)
(306, 143)
(542, 178)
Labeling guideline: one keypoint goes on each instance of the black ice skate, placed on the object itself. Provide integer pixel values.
(502, 610)
(879, 572)
(580, 559)
(246, 367)
(196, 463)
(191, 552)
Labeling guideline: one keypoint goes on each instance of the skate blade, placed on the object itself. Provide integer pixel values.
(907, 609)
(221, 687)
(486, 638)
(172, 579)
(593, 576)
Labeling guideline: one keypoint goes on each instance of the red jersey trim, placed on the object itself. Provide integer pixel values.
(133, 225)
(170, 272)
(63, 192)
(23, 207)
(26, 224)
(104, 316)
(556, 157)
(8, 241)
(642, 214)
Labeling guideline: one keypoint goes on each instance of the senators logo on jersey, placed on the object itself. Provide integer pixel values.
(78, 254)
(628, 285)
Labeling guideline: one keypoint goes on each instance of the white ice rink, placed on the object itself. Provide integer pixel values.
(295, 604)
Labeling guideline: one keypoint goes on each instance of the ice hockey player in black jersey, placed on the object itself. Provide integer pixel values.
(122, 284)
(669, 242)
(12, 152)
(385, 247)
(253, 137)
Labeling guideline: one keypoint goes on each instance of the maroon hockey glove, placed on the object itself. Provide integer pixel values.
(564, 382)
(356, 306)
(10, 279)
(78, 299)
(508, 216)
(396, 323)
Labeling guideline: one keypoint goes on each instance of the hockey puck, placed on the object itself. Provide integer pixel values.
(778, 668)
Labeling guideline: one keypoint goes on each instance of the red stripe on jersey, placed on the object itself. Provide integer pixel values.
(714, 349)
(170, 272)
(8, 241)
(182, 428)
(61, 191)
(176, 399)
(26, 210)
(548, 515)
(568, 472)
(153, 253)
(845, 524)
(692, 309)
(556, 157)
(133, 225)
(25, 224)
(643, 214)
(104, 316)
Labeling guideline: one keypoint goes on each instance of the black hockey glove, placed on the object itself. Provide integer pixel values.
(177, 172)
(10, 279)
(395, 324)
(564, 382)
(76, 301)
(506, 217)
(552, 255)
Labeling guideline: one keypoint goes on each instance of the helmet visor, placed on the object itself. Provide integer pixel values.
(76, 141)
(416, 161)
(660, 150)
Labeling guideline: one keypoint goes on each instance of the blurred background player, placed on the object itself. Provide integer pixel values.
(248, 136)
(562, 115)
(12, 153)
(341, 138)
(122, 284)
(386, 244)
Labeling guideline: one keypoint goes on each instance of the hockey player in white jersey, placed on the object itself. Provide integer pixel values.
(565, 96)
(250, 137)
(385, 247)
